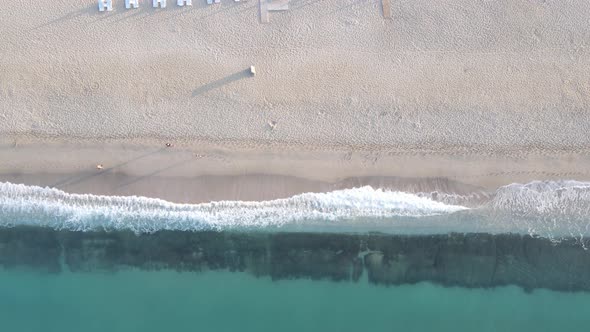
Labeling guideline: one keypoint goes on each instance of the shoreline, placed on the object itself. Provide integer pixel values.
(196, 173)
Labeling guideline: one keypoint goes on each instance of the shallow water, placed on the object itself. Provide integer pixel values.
(222, 301)
(55, 248)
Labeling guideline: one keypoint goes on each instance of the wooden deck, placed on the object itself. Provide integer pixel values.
(386, 8)
(264, 16)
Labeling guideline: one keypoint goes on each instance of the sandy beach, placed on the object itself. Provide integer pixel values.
(456, 96)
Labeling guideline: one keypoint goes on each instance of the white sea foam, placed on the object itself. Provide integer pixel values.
(544, 198)
(550, 209)
(30, 205)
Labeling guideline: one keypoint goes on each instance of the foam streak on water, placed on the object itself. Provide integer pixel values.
(30, 205)
(551, 209)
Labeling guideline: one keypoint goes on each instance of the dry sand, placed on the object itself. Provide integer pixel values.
(480, 92)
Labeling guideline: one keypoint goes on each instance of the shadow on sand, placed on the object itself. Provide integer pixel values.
(74, 180)
(221, 82)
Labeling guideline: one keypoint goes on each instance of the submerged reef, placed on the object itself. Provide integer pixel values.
(464, 260)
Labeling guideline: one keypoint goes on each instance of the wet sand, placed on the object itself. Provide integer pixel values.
(202, 172)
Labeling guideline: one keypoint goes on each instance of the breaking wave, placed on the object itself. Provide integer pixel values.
(31, 205)
(551, 209)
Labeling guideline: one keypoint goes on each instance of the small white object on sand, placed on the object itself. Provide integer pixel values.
(253, 70)
(272, 124)
(105, 5)
(184, 2)
(161, 3)
(99, 166)
(131, 4)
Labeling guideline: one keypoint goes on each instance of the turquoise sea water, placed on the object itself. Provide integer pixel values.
(58, 226)
(223, 301)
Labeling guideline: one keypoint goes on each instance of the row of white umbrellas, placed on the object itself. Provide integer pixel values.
(107, 5)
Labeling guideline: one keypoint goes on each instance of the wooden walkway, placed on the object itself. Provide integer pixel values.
(267, 6)
(386, 8)
(264, 16)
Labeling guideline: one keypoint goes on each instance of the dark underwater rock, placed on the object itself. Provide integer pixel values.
(465, 260)
(30, 247)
